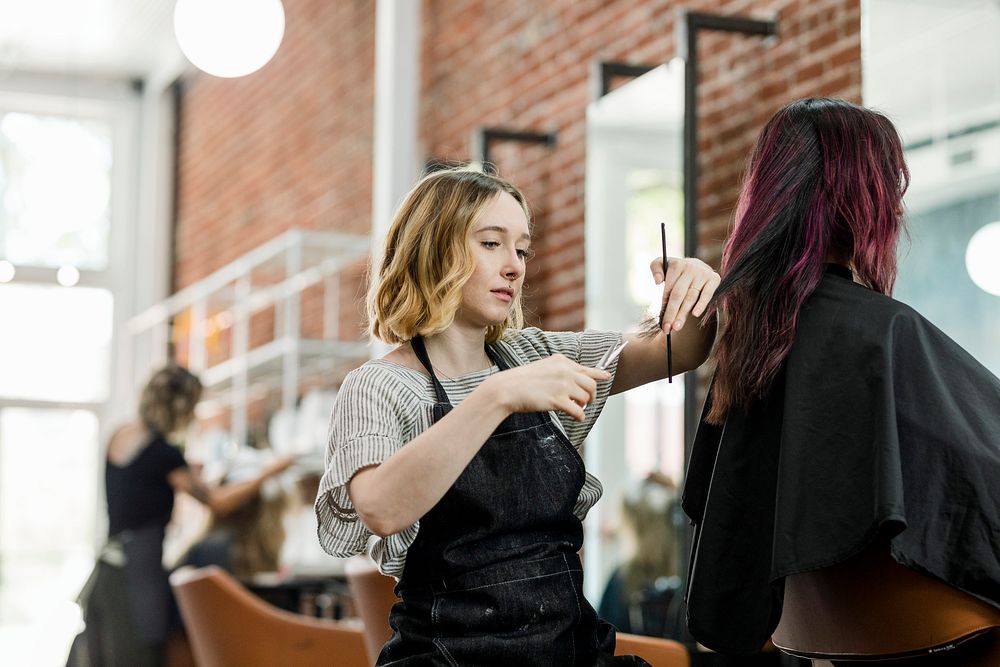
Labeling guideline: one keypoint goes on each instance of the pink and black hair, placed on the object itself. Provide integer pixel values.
(825, 182)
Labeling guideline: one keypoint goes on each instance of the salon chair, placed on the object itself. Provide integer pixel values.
(228, 625)
(654, 650)
(373, 595)
(871, 609)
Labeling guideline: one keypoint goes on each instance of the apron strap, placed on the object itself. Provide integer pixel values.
(417, 342)
(496, 358)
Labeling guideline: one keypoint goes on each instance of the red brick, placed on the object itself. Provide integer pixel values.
(291, 145)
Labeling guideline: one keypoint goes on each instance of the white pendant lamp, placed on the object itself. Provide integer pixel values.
(229, 38)
(982, 258)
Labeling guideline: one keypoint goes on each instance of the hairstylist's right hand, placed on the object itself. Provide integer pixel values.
(553, 383)
(278, 465)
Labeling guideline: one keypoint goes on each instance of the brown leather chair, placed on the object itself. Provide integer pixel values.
(177, 652)
(228, 626)
(654, 650)
(373, 595)
(872, 608)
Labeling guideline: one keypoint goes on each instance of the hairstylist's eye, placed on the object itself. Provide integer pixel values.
(490, 244)
(525, 253)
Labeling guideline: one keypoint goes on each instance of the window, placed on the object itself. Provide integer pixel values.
(634, 182)
(56, 205)
(55, 184)
(934, 68)
(55, 343)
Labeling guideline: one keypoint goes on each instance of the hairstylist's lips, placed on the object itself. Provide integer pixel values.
(504, 294)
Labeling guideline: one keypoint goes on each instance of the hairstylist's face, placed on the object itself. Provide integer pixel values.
(500, 245)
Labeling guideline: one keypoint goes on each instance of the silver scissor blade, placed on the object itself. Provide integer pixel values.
(611, 355)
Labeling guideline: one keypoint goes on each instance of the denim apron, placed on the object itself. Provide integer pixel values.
(493, 577)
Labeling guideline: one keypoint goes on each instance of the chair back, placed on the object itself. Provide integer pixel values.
(654, 650)
(228, 625)
(373, 594)
(871, 606)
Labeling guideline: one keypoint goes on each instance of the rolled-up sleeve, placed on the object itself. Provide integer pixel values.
(366, 428)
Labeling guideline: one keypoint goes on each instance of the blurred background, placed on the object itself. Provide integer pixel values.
(221, 211)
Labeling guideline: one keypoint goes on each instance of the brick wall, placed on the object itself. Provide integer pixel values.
(288, 147)
(526, 65)
(291, 145)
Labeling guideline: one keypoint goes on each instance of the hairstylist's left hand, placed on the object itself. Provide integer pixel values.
(687, 289)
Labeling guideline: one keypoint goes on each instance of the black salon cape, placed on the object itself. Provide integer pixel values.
(878, 424)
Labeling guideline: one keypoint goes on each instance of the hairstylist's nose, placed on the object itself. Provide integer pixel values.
(511, 271)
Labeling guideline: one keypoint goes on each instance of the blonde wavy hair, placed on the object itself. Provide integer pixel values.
(258, 533)
(168, 399)
(657, 545)
(428, 258)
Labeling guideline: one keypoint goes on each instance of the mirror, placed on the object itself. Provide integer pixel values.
(634, 181)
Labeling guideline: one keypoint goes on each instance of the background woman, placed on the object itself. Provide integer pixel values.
(457, 453)
(643, 593)
(128, 605)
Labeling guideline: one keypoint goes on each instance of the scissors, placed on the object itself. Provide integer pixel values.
(606, 360)
(610, 356)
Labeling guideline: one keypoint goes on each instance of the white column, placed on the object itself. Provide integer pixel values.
(147, 269)
(395, 162)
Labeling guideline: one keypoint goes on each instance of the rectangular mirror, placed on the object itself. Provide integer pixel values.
(634, 181)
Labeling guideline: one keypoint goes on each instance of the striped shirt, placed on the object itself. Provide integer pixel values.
(382, 405)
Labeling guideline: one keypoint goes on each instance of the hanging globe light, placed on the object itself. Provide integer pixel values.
(981, 258)
(229, 38)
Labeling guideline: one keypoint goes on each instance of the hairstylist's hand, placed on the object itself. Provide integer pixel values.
(687, 289)
(278, 466)
(553, 383)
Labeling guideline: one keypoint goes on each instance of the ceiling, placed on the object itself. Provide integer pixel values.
(104, 38)
(915, 50)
